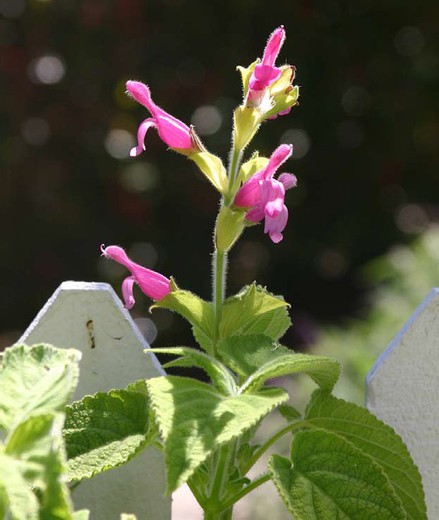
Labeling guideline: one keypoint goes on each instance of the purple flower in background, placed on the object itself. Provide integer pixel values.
(153, 284)
(265, 196)
(171, 130)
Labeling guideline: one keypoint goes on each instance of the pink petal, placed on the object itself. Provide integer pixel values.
(278, 157)
(275, 225)
(272, 197)
(274, 44)
(173, 132)
(255, 215)
(140, 92)
(141, 133)
(263, 76)
(127, 292)
(289, 180)
(250, 192)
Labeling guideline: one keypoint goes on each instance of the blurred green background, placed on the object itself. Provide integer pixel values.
(366, 138)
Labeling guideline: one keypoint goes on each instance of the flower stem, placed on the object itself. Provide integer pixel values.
(219, 283)
(235, 161)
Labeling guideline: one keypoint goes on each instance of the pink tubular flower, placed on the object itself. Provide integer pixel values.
(265, 73)
(171, 130)
(153, 284)
(265, 196)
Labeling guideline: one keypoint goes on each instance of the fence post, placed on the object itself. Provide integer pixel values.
(403, 390)
(91, 318)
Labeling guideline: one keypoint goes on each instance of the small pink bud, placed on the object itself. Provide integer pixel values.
(153, 284)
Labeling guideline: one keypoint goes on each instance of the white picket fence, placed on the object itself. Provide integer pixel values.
(402, 390)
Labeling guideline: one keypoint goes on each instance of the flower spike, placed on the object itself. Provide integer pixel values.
(153, 284)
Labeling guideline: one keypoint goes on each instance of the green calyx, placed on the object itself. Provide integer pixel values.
(213, 169)
(229, 226)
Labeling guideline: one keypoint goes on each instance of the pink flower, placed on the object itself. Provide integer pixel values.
(265, 73)
(265, 196)
(153, 284)
(171, 130)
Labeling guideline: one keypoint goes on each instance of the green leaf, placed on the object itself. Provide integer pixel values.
(36, 445)
(126, 516)
(246, 354)
(21, 503)
(195, 419)
(203, 339)
(219, 374)
(254, 311)
(83, 514)
(323, 370)
(197, 311)
(328, 478)
(104, 431)
(35, 379)
(377, 440)
(289, 412)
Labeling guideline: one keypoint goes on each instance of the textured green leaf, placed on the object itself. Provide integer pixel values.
(329, 478)
(195, 419)
(254, 311)
(104, 431)
(324, 371)
(377, 440)
(197, 311)
(21, 503)
(189, 357)
(36, 446)
(83, 514)
(35, 379)
(289, 412)
(246, 354)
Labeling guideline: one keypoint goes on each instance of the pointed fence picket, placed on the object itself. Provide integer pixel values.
(91, 318)
(403, 390)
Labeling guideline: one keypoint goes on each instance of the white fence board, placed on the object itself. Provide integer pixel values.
(91, 318)
(403, 389)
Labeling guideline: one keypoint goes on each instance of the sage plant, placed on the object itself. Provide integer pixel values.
(343, 461)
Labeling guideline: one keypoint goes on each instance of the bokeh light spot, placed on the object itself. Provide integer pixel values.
(300, 140)
(409, 41)
(356, 101)
(147, 329)
(36, 131)
(119, 142)
(144, 254)
(411, 219)
(331, 263)
(47, 69)
(140, 177)
(207, 120)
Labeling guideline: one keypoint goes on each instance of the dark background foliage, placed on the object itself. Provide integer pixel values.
(365, 136)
